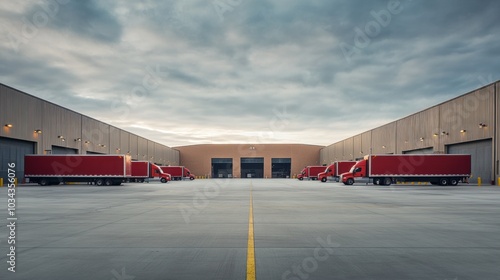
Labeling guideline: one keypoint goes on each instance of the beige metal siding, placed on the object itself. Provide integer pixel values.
(134, 146)
(23, 112)
(384, 139)
(418, 131)
(95, 135)
(467, 112)
(60, 127)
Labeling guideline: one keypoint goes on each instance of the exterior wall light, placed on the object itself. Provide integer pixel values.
(78, 140)
(39, 131)
(444, 133)
(463, 131)
(482, 125)
(421, 139)
(9, 125)
(87, 142)
(435, 135)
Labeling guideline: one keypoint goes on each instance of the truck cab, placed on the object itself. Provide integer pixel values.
(357, 171)
(329, 172)
(156, 172)
(302, 174)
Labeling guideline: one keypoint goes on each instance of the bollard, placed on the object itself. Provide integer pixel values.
(15, 182)
(498, 181)
(1, 182)
(479, 181)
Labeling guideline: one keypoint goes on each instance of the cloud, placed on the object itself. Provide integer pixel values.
(180, 72)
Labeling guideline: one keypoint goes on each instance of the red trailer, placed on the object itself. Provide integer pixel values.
(310, 172)
(438, 169)
(142, 170)
(96, 169)
(178, 172)
(335, 170)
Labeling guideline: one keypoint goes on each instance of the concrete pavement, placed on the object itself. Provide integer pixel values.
(302, 229)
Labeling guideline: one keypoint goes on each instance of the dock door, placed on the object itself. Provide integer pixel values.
(281, 167)
(252, 167)
(222, 167)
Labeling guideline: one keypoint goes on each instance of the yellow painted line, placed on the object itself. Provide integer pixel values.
(251, 244)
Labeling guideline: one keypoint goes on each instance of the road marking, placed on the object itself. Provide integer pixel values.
(251, 247)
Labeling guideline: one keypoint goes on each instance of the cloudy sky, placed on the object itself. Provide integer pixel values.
(248, 71)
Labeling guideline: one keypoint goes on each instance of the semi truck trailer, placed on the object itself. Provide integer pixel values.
(142, 170)
(437, 169)
(178, 172)
(96, 169)
(310, 172)
(334, 170)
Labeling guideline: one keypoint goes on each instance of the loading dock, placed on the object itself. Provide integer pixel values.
(252, 167)
(280, 167)
(222, 167)
(481, 158)
(13, 151)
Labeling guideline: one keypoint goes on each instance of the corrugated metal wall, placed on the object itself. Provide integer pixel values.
(61, 127)
(453, 122)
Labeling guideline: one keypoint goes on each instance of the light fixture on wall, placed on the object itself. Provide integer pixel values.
(78, 140)
(9, 125)
(39, 131)
(435, 135)
(87, 142)
(383, 147)
(421, 139)
(252, 148)
(444, 133)
(482, 125)
(61, 137)
(463, 131)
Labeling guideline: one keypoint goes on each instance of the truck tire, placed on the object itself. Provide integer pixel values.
(349, 181)
(301, 179)
(453, 181)
(108, 182)
(191, 178)
(43, 182)
(323, 179)
(163, 180)
(443, 182)
(387, 181)
(376, 181)
(99, 182)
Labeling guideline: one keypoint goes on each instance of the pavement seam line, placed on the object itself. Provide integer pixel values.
(251, 244)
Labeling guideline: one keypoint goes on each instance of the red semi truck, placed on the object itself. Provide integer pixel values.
(97, 169)
(310, 172)
(142, 170)
(178, 172)
(335, 170)
(438, 169)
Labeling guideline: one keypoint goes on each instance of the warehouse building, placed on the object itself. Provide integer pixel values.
(464, 125)
(31, 125)
(249, 160)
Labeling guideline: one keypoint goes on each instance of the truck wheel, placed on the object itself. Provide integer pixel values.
(108, 182)
(43, 182)
(453, 181)
(376, 181)
(191, 178)
(99, 182)
(163, 180)
(443, 181)
(323, 179)
(387, 181)
(349, 181)
(301, 179)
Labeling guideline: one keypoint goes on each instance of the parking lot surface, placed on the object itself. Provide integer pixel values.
(301, 230)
